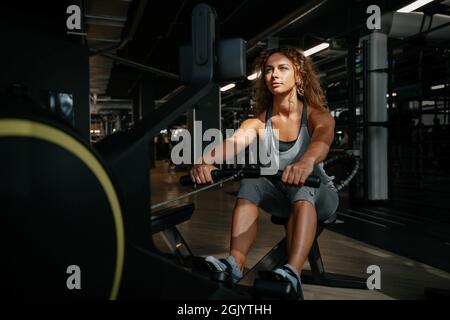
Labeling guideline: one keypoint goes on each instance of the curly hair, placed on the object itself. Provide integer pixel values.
(309, 87)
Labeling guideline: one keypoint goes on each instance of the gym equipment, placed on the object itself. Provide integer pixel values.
(229, 175)
(264, 288)
(236, 174)
(165, 220)
(341, 158)
(76, 220)
(161, 204)
(271, 289)
(278, 256)
(60, 207)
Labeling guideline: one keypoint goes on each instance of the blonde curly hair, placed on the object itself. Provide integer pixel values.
(309, 86)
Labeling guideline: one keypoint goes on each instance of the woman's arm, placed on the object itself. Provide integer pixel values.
(235, 144)
(322, 126)
(226, 150)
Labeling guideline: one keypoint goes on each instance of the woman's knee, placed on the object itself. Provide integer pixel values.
(244, 202)
(245, 205)
(302, 205)
(328, 203)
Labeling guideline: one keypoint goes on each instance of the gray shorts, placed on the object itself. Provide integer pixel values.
(276, 197)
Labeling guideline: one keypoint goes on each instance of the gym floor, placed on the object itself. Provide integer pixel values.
(208, 233)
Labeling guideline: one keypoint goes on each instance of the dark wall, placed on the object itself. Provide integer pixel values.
(37, 51)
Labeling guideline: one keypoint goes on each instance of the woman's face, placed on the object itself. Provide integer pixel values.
(279, 74)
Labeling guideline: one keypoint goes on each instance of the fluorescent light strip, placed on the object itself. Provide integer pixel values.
(414, 5)
(437, 87)
(253, 76)
(316, 49)
(228, 87)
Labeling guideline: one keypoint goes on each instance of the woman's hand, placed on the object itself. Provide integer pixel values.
(297, 172)
(201, 173)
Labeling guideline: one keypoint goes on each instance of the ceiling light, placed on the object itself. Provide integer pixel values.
(228, 87)
(253, 76)
(316, 49)
(437, 87)
(414, 5)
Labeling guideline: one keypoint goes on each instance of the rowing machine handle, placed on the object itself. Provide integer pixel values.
(311, 181)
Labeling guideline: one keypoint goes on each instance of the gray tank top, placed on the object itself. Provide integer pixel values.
(297, 148)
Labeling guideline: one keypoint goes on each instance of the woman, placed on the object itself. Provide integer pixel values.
(291, 113)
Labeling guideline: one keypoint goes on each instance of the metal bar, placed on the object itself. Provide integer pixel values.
(104, 23)
(365, 119)
(168, 96)
(283, 23)
(192, 192)
(275, 257)
(420, 75)
(390, 102)
(141, 66)
(418, 35)
(446, 100)
(105, 18)
(103, 40)
(315, 261)
(351, 71)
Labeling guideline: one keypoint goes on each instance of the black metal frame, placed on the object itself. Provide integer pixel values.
(165, 221)
(318, 276)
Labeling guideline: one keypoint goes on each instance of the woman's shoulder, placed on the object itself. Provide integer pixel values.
(315, 109)
(319, 114)
(259, 117)
(257, 122)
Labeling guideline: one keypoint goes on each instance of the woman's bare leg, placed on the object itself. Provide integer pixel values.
(243, 232)
(301, 231)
